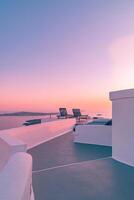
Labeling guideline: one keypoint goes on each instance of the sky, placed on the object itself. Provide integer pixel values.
(65, 53)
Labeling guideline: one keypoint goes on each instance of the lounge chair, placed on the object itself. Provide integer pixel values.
(63, 113)
(78, 115)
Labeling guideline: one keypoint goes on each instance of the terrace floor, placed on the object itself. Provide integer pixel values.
(64, 170)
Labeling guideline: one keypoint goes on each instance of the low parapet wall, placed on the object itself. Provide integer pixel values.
(16, 186)
(93, 134)
(16, 178)
(15, 170)
(37, 134)
(8, 147)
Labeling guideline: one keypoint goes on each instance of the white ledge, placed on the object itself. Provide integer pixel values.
(12, 141)
(9, 146)
(121, 94)
(16, 178)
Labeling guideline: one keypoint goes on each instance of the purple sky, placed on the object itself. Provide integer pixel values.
(56, 53)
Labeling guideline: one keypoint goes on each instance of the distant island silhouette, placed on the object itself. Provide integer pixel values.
(27, 114)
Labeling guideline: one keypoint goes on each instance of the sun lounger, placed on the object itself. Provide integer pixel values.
(78, 115)
(63, 113)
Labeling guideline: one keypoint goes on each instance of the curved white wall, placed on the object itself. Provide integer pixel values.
(16, 178)
(15, 170)
(8, 147)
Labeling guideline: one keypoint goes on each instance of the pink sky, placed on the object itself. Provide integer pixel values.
(65, 54)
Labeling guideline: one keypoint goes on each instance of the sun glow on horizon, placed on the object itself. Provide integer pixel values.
(122, 53)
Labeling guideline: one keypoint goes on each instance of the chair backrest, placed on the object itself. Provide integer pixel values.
(76, 112)
(63, 112)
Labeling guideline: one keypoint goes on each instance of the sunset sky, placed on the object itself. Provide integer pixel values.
(65, 53)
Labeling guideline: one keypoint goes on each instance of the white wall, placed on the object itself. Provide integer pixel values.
(15, 170)
(8, 147)
(16, 178)
(93, 134)
(123, 126)
(40, 133)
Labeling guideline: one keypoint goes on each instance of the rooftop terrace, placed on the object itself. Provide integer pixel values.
(64, 170)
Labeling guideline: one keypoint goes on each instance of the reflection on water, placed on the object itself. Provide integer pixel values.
(7, 122)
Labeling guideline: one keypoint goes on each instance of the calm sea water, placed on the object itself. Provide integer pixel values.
(7, 122)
